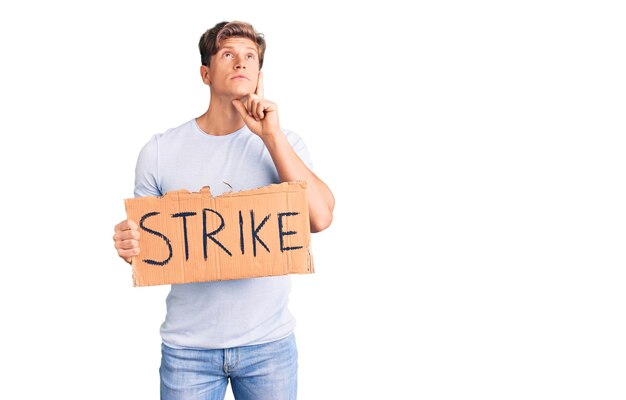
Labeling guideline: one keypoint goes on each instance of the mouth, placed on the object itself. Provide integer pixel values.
(239, 77)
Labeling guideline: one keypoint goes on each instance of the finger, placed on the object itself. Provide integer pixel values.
(127, 254)
(249, 103)
(259, 85)
(126, 225)
(125, 235)
(260, 110)
(127, 244)
(122, 226)
(252, 106)
(241, 109)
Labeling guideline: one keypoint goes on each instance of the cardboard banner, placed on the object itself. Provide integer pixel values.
(195, 237)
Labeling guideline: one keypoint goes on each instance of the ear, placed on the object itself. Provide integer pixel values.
(204, 74)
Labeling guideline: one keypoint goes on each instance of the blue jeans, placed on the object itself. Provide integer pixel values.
(259, 372)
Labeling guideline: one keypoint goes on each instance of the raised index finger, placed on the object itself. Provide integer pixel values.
(259, 85)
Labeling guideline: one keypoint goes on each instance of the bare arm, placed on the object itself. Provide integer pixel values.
(261, 117)
(291, 168)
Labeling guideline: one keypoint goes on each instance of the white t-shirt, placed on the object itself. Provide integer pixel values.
(219, 314)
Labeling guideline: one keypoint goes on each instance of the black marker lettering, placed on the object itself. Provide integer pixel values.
(241, 232)
(185, 215)
(155, 233)
(281, 234)
(255, 232)
(211, 234)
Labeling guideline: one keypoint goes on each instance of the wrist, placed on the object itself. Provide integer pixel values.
(274, 139)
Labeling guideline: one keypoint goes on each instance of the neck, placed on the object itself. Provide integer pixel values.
(221, 118)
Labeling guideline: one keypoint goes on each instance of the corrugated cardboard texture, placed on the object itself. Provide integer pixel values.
(195, 237)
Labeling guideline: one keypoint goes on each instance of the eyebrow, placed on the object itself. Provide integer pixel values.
(231, 47)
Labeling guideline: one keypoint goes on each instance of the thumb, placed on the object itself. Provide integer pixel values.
(240, 108)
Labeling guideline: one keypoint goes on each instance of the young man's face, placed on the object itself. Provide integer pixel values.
(234, 69)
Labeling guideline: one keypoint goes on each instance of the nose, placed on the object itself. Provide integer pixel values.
(240, 63)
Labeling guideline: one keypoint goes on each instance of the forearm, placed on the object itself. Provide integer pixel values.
(291, 168)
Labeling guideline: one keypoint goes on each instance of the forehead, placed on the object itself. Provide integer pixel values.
(238, 43)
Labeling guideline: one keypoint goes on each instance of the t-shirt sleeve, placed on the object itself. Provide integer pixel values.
(146, 171)
(299, 147)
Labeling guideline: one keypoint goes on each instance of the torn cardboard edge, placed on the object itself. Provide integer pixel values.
(190, 237)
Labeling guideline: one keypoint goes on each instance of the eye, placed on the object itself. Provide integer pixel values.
(228, 55)
(250, 56)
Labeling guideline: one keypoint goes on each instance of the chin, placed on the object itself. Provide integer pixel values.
(240, 93)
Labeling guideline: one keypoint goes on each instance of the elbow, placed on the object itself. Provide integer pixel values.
(321, 222)
(322, 219)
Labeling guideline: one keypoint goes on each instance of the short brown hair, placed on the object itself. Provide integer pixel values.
(212, 38)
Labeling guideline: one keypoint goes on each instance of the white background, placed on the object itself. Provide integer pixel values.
(475, 150)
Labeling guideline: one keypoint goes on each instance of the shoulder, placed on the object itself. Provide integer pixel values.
(175, 134)
(170, 135)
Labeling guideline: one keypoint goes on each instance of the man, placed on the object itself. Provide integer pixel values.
(239, 330)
